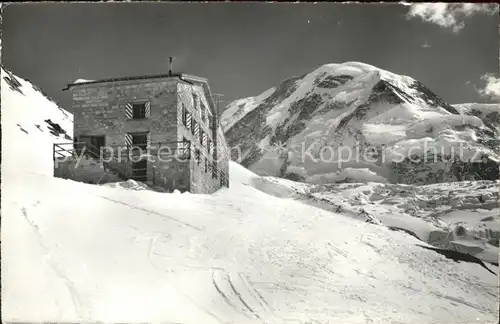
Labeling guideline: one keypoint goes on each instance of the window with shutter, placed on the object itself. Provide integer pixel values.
(214, 170)
(148, 109)
(140, 140)
(184, 147)
(194, 128)
(210, 146)
(129, 111)
(128, 140)
(188, 120)
(184, 115)
(202, 137)
(138, 110)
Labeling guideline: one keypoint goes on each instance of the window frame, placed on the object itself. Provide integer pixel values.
(142, 110)
(193, 126)
(133, 112)
(142, 146)
(184, 115)
(210, 145)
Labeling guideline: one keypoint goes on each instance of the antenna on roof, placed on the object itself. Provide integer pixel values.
(170, 65)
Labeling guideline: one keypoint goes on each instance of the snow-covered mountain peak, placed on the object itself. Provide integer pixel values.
(356, 69)
(353, 105)
(348, 82)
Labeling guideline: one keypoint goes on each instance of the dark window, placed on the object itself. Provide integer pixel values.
(206, 165)
(97, 142)
(193, 126)
(188, 120)
(140, 140)
(197, 156)
(201, 136)
(184, 115)
(138, 110)
(91, 144)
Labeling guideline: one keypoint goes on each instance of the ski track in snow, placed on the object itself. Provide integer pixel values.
(152, 241)
(75, 296)
(238, 296)
(154, 212)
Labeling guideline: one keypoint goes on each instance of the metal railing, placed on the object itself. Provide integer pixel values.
(179, 149)
(85, 149)
(121, 159)
(73, 149)
(77, 149)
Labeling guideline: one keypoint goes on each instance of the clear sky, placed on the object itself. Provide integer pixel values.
(246, 48)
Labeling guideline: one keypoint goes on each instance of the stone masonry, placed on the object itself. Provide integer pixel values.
(99, 110)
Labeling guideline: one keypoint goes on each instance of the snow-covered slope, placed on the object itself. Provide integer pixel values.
(354, 115)
(489, 113)
(461, 216)
(77, 252)
(31, 123)
(239, 108)
(74, 252)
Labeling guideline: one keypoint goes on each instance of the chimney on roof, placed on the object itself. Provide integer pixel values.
(170, 65)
